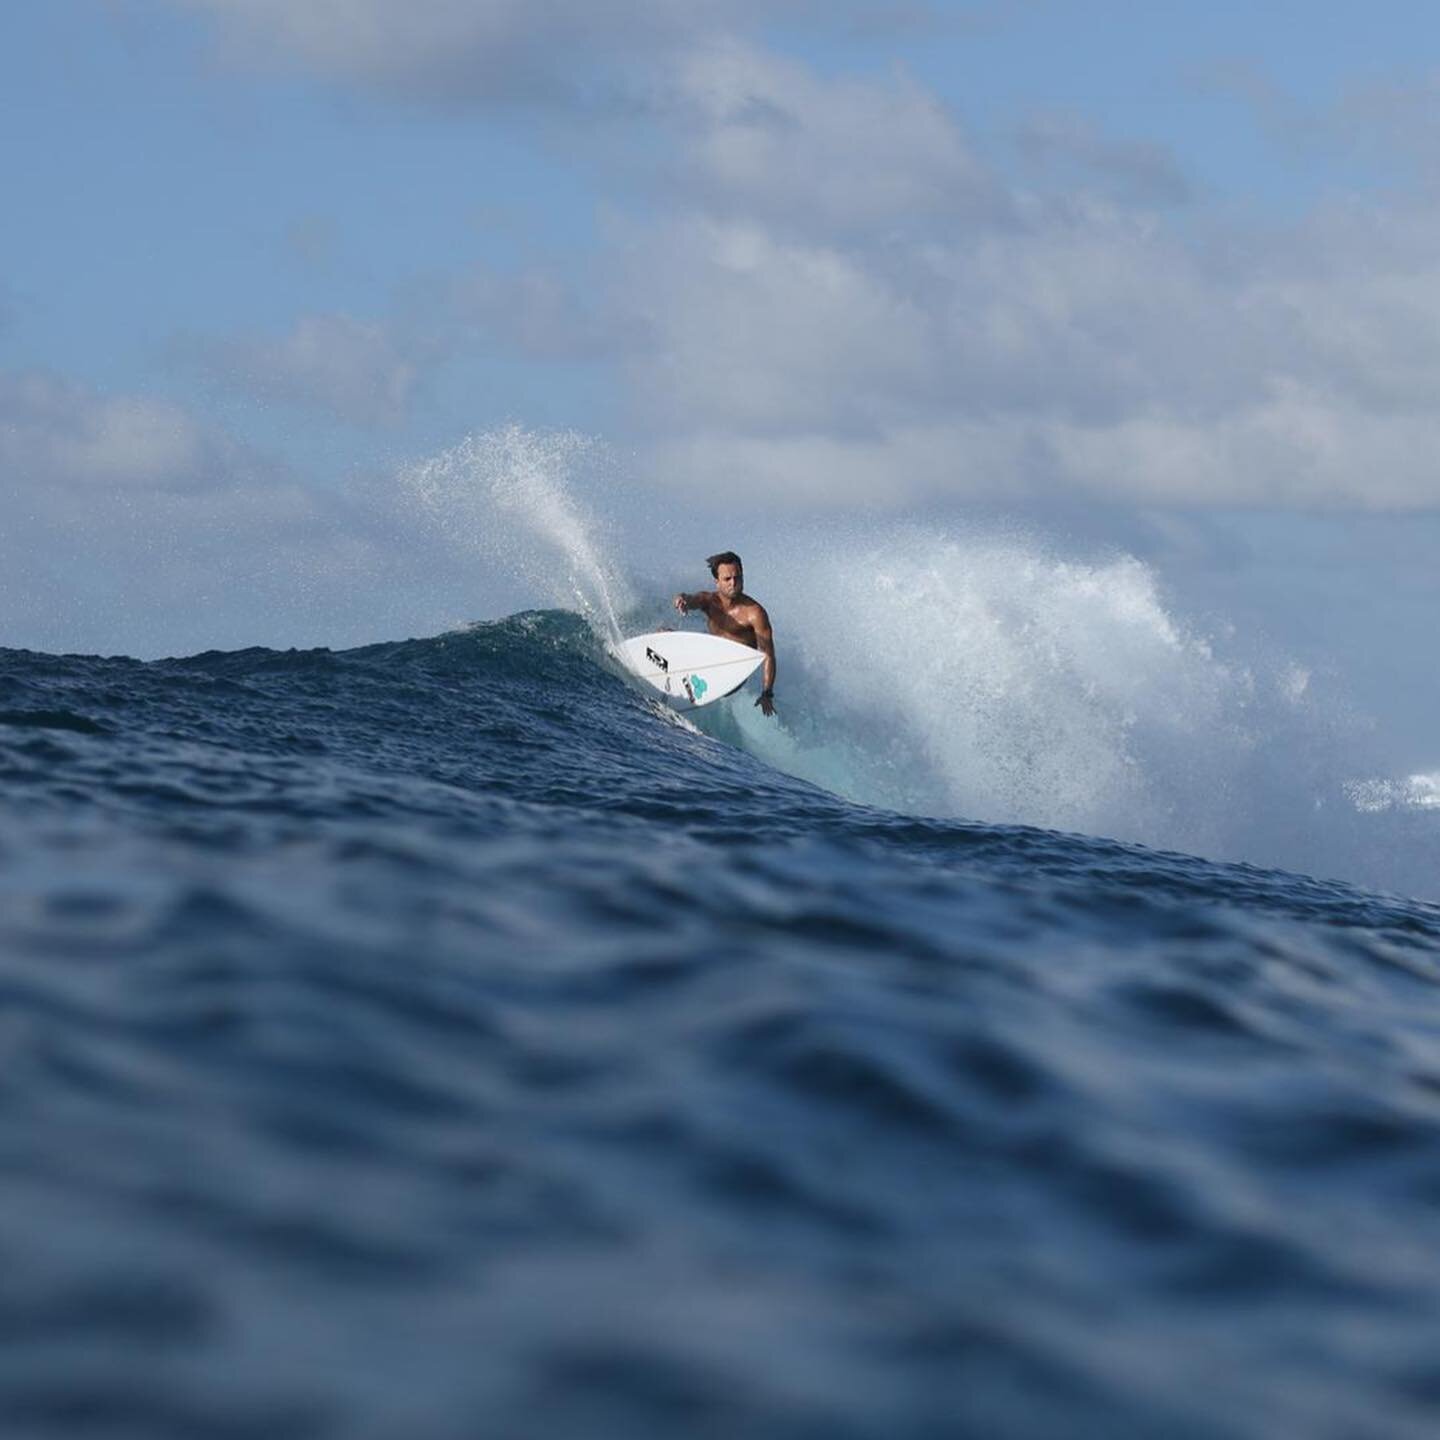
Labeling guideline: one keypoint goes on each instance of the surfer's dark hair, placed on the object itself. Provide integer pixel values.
(725, 557)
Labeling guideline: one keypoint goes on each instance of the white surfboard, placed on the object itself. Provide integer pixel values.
(690, 667)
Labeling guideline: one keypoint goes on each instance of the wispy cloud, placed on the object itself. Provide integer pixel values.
(362, 372)
(551, 52)
(773, 141)
(1073, 149)
(541, 314)
(54, 434)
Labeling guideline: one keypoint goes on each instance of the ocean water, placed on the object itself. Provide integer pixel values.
(440, 1039)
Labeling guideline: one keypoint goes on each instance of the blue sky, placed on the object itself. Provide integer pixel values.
(1157, 277)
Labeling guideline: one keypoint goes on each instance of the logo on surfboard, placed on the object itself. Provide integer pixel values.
(695, 688)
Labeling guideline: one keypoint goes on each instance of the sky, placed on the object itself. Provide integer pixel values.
(1157, 278)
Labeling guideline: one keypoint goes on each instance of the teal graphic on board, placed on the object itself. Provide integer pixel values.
(699, 687)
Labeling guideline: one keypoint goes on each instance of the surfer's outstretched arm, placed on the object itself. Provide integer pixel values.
(698, 601)
(765, 644)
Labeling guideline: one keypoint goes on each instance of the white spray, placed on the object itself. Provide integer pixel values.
(986, 677)
(508, 496)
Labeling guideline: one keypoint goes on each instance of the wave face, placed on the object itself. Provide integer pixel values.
(438, 1038)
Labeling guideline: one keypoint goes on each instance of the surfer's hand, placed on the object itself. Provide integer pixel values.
(681, 604)
(766, 701)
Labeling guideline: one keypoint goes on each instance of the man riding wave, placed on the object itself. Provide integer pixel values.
(731, 613)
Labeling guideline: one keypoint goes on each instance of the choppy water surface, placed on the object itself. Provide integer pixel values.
(435, 1039)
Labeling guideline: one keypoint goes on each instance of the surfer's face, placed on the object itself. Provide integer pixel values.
(728, 580)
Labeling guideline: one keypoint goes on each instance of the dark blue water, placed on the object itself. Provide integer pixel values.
(434, 1040)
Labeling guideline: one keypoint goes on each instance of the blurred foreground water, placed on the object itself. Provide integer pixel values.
(437, 1039)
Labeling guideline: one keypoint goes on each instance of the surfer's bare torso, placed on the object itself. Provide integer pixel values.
(732, 614)
(736, 622)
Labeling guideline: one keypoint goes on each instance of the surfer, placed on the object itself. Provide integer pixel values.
(734, 615)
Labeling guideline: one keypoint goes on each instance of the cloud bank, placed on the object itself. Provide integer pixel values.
(846, 302)
(363, 373)
(824, 290)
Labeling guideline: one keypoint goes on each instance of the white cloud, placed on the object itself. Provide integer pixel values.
(774, 141)
(1290, 452)
(849, 306)
(542, 315)
(1295, 449)
(361, 372)
(757, 334)
(53, 433)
